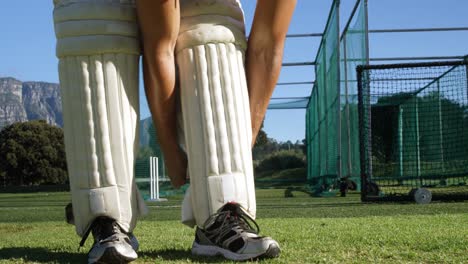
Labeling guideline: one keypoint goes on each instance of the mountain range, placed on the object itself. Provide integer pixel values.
(25, 101)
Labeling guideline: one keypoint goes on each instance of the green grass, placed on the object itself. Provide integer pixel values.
(310, 230)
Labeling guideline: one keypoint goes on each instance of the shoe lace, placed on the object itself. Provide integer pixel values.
(102, 229)
(228, 221)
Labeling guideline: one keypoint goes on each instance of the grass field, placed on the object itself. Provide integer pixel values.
(310, 230)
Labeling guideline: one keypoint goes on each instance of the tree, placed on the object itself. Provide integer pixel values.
(282, 160)
(154, 140)
(441, 122)
(32, 153)
(151, 149)
(303, 146)
(262, 137)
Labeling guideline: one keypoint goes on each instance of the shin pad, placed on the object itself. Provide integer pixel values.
(216, 116)
(98, 51)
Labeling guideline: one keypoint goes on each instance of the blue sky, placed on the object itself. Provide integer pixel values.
(27, 43)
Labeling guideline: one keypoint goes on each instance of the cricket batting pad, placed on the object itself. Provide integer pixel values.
(98, 51)
(215, 109)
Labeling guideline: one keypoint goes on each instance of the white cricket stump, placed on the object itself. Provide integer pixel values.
(154, 180)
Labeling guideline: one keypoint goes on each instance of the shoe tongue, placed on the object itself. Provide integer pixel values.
(104, 227)
(232, 207)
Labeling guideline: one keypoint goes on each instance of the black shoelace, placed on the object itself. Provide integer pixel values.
(227, 221)
(99, 227)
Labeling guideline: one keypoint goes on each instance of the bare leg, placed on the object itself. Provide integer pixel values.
(159, 24)
(265, 55)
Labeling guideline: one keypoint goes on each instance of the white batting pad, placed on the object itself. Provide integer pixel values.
(98, 51)
(216, 115)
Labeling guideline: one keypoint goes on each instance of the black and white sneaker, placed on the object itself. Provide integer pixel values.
(229, 233)
(111, 244)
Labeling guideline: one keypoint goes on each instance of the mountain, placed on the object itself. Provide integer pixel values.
(145, 125)
(23, 101)
(42, 101)
(11, 102)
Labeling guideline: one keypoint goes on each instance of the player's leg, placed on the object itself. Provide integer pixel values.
(265, 54)
(216, 119)
(98, 51)
(159, 25)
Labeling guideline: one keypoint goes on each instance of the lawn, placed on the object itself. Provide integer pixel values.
(309, 230)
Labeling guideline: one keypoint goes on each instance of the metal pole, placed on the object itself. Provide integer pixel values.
(365, 139)
(294, 83)
(338, 84)
(304, 35)
(154, 178)
(290, 98)
(156, 165)
(400, 138)
(163, 166)
(155, 181)
(348, 122)
(404, 30)
(350, 18)
(307, 141)
(151, 178)
(369, 126)
(325, 86)
(466, 70)
(317, 98)
(305, 63)
(418, 157)
(441, 136)
(366, 32)
(286, 108)
(418, 58)
(369, 123)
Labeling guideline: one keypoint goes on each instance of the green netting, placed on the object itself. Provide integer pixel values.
(332, 130)
(313, 145)
(415, 126)
(323, 109)
(353, 48)
(278, 103)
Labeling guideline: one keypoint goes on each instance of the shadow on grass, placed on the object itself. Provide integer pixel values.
(41, 255)
(180, 254)
(44, 255)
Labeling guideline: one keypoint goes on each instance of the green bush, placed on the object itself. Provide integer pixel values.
(292, 174)
(281, 179)
(32, 153)
(282, 160)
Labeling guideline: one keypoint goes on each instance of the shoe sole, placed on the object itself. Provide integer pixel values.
(273, 251)
(111, 255)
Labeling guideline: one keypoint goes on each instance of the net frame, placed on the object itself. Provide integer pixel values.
(331, 130)
(322, 115)
(354, 46)
(367, 157)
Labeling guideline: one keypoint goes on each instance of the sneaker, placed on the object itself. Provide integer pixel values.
(111, 244)
(229, 233)
(133, 241)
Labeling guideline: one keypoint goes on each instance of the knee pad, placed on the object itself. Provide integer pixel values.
(98, 51)
(215, 111)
